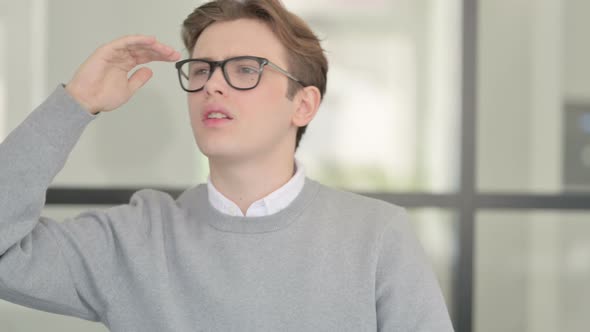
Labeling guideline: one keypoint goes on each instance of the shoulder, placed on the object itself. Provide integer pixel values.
(151, 196)
(353, 202)
(157, 204)
(156, 198)
(128, 223)
(352, 206)
(142, 203)
(145, 208)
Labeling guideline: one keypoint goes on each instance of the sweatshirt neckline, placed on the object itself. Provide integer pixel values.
(199, 207)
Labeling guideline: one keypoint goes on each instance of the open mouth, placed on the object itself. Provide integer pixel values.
(217, 115)
(215, 118)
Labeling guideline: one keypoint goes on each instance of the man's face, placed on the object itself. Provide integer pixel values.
(260, 119)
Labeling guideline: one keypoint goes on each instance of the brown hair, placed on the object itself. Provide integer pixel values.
(306, 59)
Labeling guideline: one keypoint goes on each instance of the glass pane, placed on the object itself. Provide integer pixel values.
(390, 117)
(532, 271)
(389, 120)
(437, 231)
(533, 96)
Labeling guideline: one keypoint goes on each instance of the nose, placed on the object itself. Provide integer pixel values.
(216, 83)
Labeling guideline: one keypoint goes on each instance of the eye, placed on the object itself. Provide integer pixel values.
(198, 69)
(200, 72)
(247, 70)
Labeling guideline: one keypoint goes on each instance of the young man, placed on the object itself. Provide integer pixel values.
(260, 247)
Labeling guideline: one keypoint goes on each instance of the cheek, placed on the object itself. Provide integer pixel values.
(194, 103)
(270, 95)
(268, 106)
(194, 112)
(271, 121)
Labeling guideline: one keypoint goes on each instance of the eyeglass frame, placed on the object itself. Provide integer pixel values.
(221, 64)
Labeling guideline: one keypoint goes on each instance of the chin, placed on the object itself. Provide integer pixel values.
(214, 150)
(206, 149)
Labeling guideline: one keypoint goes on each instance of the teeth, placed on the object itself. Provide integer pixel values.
(216, 115)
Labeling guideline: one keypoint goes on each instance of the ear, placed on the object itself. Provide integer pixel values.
(307, 102)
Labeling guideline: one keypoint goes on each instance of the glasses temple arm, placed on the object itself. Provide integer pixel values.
(286, 73)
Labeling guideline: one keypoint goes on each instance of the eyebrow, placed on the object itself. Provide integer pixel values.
(208, 58)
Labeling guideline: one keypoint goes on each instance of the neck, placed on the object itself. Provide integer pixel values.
(247, 181)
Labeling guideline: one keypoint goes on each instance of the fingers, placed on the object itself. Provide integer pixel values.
(165, 52)
(139, 79)
(155, 52)
(146, 49)
(132, 40)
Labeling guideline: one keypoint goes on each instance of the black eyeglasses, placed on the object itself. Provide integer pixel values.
(241, 73)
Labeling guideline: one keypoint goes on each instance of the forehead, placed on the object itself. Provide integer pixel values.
(222, 40)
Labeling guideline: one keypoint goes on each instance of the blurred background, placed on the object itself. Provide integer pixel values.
(474, 114)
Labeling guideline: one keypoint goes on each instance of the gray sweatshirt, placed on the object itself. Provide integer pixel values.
(330, 261)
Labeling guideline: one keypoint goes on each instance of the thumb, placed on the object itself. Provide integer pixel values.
(139, 78)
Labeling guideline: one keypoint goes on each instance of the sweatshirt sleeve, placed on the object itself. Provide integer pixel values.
(407, 292)
(38, 267)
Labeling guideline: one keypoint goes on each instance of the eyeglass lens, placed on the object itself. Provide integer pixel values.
(240, 73)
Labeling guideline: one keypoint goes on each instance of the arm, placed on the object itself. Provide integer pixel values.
(44, 264)
(33, 271)
(407, 292)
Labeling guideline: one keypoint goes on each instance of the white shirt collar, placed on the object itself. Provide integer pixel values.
(272, 203)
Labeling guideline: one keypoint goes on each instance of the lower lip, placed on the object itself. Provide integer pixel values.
(216, 122)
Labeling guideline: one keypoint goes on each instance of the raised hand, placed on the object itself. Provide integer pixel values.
(102, 83)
